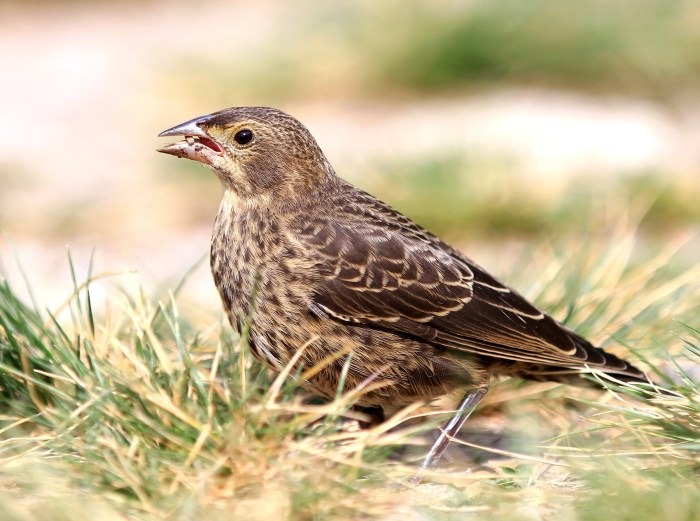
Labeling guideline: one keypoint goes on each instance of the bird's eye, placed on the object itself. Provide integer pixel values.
(243, 137)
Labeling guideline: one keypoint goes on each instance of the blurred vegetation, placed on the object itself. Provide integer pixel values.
(460, 195)
(625, 46)
(625, 494)
(648, 47)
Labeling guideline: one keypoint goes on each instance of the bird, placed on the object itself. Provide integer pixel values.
(307, 261)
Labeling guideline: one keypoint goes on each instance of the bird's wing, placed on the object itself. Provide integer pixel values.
(391, 274)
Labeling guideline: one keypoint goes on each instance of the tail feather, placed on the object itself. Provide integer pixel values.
(605, 363)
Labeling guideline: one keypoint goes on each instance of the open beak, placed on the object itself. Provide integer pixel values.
(197, 145)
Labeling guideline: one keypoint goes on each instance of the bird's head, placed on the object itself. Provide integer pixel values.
(257, 152)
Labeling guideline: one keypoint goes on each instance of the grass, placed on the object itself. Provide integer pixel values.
(148, 414)
(146, 407)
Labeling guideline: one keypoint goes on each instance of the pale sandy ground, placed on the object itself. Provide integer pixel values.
(84, 92)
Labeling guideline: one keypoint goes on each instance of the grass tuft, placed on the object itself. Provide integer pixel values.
(134, 407)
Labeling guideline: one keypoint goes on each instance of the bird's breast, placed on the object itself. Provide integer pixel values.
(238, 256)
(258, 274)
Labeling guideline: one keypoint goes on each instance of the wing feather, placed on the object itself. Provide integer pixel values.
(379, 268)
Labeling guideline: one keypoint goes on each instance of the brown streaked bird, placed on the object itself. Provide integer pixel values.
(314, 260)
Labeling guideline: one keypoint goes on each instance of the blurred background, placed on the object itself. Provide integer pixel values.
(498, 124)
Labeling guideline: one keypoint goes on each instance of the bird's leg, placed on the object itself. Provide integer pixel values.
(466, 407)
(375, 413)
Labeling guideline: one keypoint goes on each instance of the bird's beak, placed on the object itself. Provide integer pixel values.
(192, 127)
(197, 145)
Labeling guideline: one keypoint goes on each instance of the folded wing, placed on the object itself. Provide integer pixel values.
(384, 271)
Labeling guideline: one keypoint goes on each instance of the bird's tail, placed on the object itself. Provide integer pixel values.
(614, 372)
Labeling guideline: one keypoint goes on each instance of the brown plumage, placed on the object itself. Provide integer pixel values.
(313, 260)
